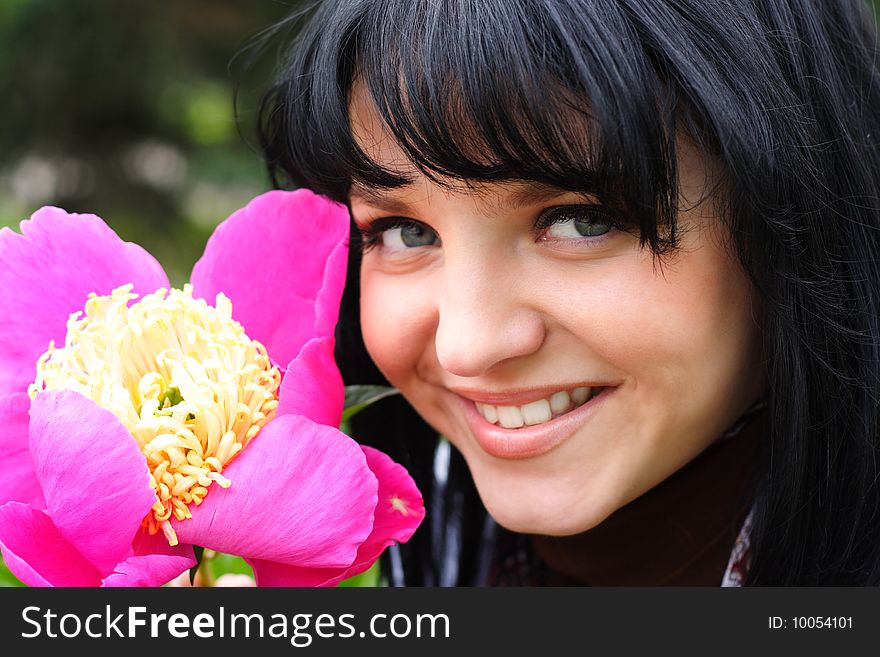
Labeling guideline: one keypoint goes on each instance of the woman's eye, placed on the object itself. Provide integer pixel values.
(407, 235)
(574, 221)
(396, 234)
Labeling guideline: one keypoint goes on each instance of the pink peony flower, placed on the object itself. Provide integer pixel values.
(165, 422)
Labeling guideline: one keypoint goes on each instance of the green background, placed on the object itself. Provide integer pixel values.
(123, 108)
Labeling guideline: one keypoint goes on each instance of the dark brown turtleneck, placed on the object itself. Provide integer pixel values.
(680, 533)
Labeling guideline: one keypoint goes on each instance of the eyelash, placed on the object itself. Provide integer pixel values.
(370, 236)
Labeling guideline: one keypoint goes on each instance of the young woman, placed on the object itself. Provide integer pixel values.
(622, 255)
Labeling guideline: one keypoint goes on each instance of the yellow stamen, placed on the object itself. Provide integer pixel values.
(182, 376)
(169, 532)
(399, 505)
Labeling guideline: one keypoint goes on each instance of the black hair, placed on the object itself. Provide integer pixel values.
(591, 95)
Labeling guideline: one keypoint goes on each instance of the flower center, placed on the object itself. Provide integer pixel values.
(181, 375)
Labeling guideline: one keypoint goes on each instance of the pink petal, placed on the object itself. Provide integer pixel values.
(153, 562)
(92, 472)
(312, 385)
(301, 494)
(18, 481)
(398, 514)
(282, 261)
(47, 272)
(272, 573)
(37, 553)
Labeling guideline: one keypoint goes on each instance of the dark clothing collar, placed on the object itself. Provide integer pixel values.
(680, 533)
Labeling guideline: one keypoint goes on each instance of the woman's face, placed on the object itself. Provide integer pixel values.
(497, 309)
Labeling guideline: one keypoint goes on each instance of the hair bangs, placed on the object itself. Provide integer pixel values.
(474, 93)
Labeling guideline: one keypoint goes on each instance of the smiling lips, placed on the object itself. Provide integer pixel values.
(535, 427)
(539, 411)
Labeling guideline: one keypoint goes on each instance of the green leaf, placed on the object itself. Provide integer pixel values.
(357, 398)
(199, 551)
(7, 578)
(224, 564)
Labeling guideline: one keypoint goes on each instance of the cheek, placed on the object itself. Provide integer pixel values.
(397, 322)
(687, 339)
(681, 336)
(691, 315)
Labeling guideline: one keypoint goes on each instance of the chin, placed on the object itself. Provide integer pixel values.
(551, 516)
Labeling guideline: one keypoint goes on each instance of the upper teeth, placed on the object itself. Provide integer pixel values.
(536, 412)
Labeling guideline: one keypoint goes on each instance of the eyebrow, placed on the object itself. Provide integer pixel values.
(524, 193)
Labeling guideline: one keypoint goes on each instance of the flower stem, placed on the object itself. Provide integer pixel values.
(204, 575)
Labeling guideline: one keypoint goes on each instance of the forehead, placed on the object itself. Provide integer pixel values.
(372, 133)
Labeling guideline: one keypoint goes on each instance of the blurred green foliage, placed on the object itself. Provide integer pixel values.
(124, 108)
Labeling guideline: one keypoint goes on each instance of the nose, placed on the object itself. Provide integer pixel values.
(485, 317)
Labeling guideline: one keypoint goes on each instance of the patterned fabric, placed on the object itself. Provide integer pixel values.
(740, 556)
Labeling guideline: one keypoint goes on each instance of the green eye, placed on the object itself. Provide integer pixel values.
(413, 235)
(573, 221)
